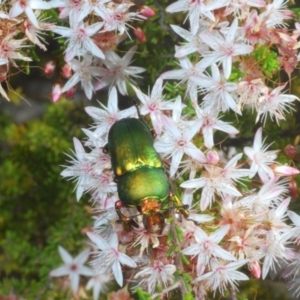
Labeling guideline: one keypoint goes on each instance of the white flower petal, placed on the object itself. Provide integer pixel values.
(74, 278)
(82, 257)
(100, 242)
(61, 271)
(126, 260)
(66, 257)
(116, 268)
(294, 217)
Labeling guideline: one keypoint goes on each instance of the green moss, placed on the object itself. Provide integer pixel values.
(38, 208)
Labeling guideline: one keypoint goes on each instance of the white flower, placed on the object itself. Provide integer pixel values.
(84, 72)
(275, 14)
(118, 71)
(240, 8)
(249, 92)
(101, 184)
(98, 283)
(27, 6)
(223, 275)
(186, 74)
(79, 41)
(117, 17)
(224, 48)
(89, 6)
(73, 267)
(194, 43)
(275, 217)
(274, 249)
(261, 158)
(217, 180)
(10, 49)
(206, 247)
(210, 122)
(219, 91)
(157, 273)
(295, 231)
(154, 104)
(68, 8)
(196, 9)
(269, 194)
(34, 34)
(274, 104)
(81, 167)
(107, 116)
(177, 141)
(143, 239)
(109, 257)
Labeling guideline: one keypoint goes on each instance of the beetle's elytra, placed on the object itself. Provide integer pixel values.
(141, 180)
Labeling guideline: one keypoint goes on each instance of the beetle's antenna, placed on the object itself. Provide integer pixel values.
(134, 216)
(138, 109)
(153, 133)
(185, 206)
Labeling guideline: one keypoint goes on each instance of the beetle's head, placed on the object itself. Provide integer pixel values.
(153, 219)
(154, 222)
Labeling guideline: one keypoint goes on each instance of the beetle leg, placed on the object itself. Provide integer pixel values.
(138, 110)
(105, 149)
(182, 208)
(127, 220)
(153, 133)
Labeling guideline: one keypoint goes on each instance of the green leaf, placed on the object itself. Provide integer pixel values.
(142, 295)
(185, 260)
(170, 251)
(189, 296)
(179, 233)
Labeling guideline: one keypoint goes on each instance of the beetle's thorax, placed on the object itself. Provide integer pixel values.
(150, 205)
(131, 166)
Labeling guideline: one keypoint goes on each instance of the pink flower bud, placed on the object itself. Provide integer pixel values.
(285, 170)
(290, 151)
(140, 34)
(213, 157)
(255, 269)
(147, 12)
(49, 68)
(293, 188)
(66, 71)
(3, 72)
(288, 14)
(122, 294)
(70, 93)
(56, 92)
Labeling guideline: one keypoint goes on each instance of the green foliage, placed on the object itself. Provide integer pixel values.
(236, 74)
(267, 60)
(296, 11)
(38, 208)
(158, 50)
(262, 289)
(189, 296)
(142, 295)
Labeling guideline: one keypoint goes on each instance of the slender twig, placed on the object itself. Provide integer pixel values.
(176, 242)
(233, 294)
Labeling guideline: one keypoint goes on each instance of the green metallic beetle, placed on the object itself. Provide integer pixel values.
(139, 174)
